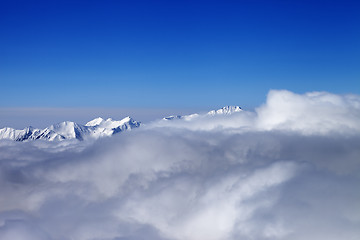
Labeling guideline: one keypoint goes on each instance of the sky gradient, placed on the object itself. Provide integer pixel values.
(174, 54)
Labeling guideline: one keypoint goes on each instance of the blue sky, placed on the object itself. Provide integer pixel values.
(174, 54)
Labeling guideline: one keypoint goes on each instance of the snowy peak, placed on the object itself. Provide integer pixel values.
(225, 110)
(71, 130)
(95, 122)
(13, 134)
(29, 133)
(111, 124)
(45, 134)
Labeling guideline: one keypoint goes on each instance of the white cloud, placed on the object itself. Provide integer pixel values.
(315, 112)
(290, 170)
(309, 113)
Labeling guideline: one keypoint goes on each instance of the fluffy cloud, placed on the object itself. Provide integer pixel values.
(250, 175)
(310, 113)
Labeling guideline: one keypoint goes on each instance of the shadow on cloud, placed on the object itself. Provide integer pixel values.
(290, 170)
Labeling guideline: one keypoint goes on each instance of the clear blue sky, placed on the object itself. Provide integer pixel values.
(164, 54)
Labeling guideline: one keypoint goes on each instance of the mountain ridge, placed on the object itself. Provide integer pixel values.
(70, 130)
(227, 110)
(95, 128)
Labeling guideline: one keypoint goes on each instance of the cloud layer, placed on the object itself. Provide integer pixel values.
(290, 170)
(310, 113)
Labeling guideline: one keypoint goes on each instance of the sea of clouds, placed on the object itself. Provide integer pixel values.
(288, 170)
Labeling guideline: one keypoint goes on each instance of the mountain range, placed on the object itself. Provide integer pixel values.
(227, 110)
(93, 129)
(70, 130)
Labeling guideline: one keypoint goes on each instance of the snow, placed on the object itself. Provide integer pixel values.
(226, 110)
(70, 130)
(94, 122)
(95, 128)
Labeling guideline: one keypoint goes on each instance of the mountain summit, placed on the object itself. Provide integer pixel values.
(71, 130)
(227, 110)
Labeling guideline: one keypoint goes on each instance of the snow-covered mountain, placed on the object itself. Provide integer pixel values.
(227, 110)
(71, 130)
(97, 127)
(100, 127)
